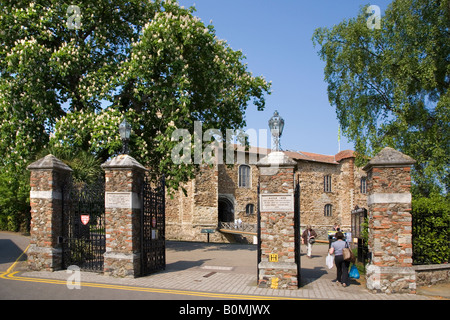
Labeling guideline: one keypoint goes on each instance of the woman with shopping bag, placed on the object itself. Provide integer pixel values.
(341, 264)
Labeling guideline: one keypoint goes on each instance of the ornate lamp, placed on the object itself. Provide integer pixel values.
(125, 132)
(276, 125)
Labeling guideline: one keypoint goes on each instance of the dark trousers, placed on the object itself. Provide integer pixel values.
(342, 269)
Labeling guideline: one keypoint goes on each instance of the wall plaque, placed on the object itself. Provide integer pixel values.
(118, 200)
(277, 202)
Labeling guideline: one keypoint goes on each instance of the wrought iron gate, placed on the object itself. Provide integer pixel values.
(258, 230)
(359, 216)
(83, 225)
(297, 237)
(153, 240)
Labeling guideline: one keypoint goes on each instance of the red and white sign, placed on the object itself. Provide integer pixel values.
(85, 219)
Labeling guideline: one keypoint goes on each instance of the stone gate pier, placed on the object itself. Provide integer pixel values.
(278, 267)
(124, 179)
(390, 223)
(46, 199)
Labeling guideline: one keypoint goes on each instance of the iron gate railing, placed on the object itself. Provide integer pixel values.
(83, 225)
(358, 218)
(153, 240)
(297, 237)
(258, 231)
(236, 226)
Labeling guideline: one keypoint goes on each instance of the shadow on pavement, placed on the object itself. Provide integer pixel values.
(189, 246)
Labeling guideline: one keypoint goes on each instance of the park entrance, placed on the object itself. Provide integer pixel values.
(83, 239)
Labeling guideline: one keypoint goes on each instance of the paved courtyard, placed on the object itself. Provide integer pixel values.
(230, 269)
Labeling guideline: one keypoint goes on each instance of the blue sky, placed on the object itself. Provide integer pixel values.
(275, 36)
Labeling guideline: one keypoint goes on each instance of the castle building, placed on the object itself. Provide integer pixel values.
(226, 197)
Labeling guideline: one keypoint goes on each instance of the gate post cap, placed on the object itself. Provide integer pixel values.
(123, 161)
(277, 158)
(49, 162)
(389, 157)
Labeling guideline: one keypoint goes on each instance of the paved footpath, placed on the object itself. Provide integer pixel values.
(229, 271)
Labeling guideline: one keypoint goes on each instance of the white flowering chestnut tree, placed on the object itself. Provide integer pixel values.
(69, 73)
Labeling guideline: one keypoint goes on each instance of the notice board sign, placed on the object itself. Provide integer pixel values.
(281, 202)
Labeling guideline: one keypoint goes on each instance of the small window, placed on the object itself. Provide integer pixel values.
(363, 185)
(327, 183)
(244, 176)
(250, 209)
(328, 210)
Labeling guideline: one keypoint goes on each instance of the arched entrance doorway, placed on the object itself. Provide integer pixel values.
(226, 210)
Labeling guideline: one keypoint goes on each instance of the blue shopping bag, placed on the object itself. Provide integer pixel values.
(354, 272)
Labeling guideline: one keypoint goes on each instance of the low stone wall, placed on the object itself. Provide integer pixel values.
(427, 275)
(386, 279)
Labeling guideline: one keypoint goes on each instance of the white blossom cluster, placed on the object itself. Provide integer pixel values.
(71, 89)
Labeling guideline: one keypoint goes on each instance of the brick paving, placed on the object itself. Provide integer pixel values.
(231, 269)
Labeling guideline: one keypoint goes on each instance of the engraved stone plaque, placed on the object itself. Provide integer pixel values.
(118, 200)
(277, 202)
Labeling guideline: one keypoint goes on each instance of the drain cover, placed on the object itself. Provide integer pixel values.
(209, 274)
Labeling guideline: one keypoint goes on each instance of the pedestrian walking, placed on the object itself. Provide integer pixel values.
(341, 264)
(308, 238)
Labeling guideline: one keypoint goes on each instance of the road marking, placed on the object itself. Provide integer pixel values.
(10, 269)
(10, 274)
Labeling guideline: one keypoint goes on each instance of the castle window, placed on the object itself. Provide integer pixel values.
(328, 210)
(363, 185)
(327, 183)
(244, 176)
(249, 209)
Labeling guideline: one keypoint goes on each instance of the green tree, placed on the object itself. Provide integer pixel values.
(389, 85)
(14, 201)
(178, 72)
(68, 76)
(86, 167)
(49, 68)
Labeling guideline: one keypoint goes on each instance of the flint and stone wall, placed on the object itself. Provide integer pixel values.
(187, 214)
(47, 178)
(124, 178)
(277, 227)
(390, 223)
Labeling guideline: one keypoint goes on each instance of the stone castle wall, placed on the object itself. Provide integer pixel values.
(344, 196)
(228, 187)
(187, 215)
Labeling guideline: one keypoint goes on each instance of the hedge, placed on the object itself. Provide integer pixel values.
(431, 229)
